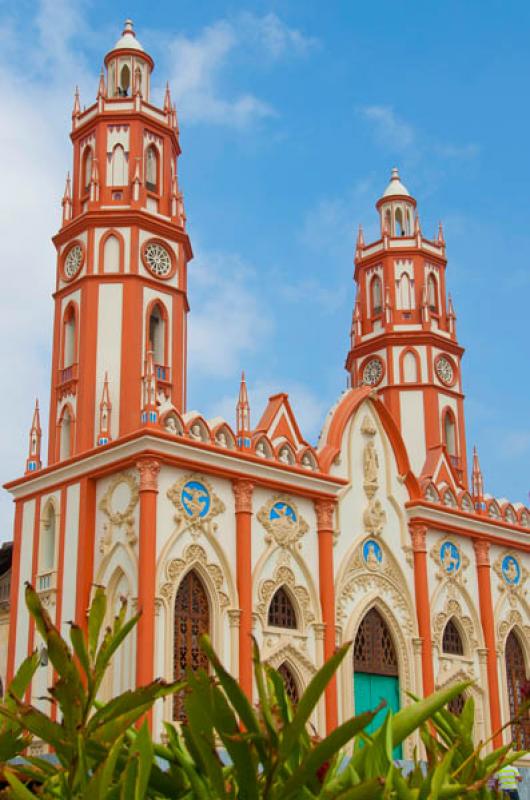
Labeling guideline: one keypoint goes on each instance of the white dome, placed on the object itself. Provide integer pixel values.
(128, 40)
(395, 187)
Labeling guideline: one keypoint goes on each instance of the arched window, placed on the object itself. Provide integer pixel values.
(400, 228)
(111, 255)
(66, 434)
(410, 368)
(87, 168)
(450, 432)
(125, 81)
(376, 675)
(69, 337)
(151, 168)
(376, 291)
(192, 619)
(48, 539)
(281, 610)
(291, 687)
(456, 705)
(516, 678)
(118, 167)
(157, 335)
(387, 228)
(432, 292)
(451, 640)
(405, 296)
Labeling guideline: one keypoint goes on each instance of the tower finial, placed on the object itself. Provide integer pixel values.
(33, 462)
(67, 200)
(477, 483)
(128, 28)
(243, 415)
(105, 409)
(167, 101)
(149, 410)
(77, 105)
(441, 240)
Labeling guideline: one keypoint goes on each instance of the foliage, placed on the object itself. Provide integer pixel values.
(229, 749)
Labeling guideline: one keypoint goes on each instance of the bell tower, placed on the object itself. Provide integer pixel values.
(122, 255)
(403, 337)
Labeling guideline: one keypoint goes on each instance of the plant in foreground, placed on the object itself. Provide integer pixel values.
(228, 749)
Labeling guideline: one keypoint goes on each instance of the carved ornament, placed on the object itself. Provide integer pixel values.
(196, 504)
(482, 552)
(452, 608)
(512, 574)
(148, 469)
(284, 576)
(450, 560)
(243, 495)
(280, 518)
(325, 510)
(117, 518)
(193, 554)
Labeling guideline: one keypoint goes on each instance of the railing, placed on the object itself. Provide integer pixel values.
(67, 374)
(46, 581)
(162, 373)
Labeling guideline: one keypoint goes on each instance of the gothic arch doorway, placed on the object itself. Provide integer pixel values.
(192, 619)
(516, 678)
(375, 666)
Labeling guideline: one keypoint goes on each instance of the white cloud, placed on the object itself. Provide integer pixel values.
(228, 321)
(390, 128)
(197, 65)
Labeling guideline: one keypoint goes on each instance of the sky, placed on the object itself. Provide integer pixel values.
(291, 119)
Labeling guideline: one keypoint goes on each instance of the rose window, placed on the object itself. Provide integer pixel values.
(73, 261)
(373, 372)
(444, 370)
(157, 259)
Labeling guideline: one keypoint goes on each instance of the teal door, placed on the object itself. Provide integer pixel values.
(369, 691)
(375, 671)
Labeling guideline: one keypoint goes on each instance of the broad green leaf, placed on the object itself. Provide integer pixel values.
(96, 615)
(144, 749)
(19, 790)
(77, 637)
(368, 790)
(23, 677)
(411, 717)
(111, 645)
(198, 705)
(130, 700)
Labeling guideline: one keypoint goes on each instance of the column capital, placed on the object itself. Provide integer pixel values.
(148, 469)
(243, 495)
(324, 510)
(482, 552)
(418, 535)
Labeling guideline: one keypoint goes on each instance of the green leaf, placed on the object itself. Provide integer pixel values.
(143, 747)
(19, 790)
(77, 637)
(104, 774)
(324, 751)
(96, 615)
(131, 700)
(368, 790)
(309, 699)
(199, 727)
(111, 644)
(408, 719)
(23, 677)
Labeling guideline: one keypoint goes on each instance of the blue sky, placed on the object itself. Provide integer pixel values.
(291, 119)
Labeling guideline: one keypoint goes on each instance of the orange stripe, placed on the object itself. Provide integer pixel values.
(13, 599)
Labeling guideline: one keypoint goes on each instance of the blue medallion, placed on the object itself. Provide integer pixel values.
(281, 510)
(195, 499)
(450, 558)
(511, 571)
(372, 553)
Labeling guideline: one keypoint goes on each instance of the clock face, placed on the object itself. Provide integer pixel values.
(73, 261)
(157, 259)
(444, 370)
(373, 372)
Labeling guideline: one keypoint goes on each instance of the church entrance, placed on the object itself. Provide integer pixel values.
(192, 619)
(376, 675)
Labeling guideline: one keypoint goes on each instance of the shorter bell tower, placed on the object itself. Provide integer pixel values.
(403, 337)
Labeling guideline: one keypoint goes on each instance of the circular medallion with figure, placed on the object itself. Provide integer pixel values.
(372, 553)
(195, 499)
(450, 558)
(445, 370)
(282, 511)
(373, 372)
(73, 261)
(157, 259)
(511, 571)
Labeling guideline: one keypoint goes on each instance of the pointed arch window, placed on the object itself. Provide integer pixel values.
(449, 432)
(289, 681)
(125, 81)
(281, 610)
(516, 679)
(451, 640)
(456, 705)
(432, 293)
(151, 169)
(410, 368)
(399, 227)
(376, 293)
(374, 650)
(405, 294)
(88, 162)
(66, 434)
(192, 619)
(69, 337)
(118, 167)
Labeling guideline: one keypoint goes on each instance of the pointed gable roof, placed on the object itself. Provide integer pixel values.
(438, 469)
(279, 422)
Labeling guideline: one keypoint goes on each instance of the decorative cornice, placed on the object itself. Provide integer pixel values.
(148, 469)
(324, 510)
(482, 552)
(243, 495)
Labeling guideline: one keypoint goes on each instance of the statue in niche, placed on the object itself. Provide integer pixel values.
(195, 432)
(221, 439)
(370, 463)
(285, 457)
(260, 449)
(171, 426)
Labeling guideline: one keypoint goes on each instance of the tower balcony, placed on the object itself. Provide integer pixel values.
(67, 378)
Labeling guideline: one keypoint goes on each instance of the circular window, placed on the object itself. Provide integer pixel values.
(73, 261)
(373, 372)
(157, 259)
(445, 370)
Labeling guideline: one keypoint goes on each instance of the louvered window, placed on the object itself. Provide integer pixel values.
(374, 650)
(451, 640)
(281, 610)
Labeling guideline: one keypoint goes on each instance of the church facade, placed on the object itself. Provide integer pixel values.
(382, 534)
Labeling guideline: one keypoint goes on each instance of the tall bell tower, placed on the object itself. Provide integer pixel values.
(122, 255)
(403, 337)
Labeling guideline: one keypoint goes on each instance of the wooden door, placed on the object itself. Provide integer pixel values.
(192, 619)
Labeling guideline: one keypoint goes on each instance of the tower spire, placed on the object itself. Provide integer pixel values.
(33, 462)
(477, 483)
(105, 409)
(67, 200)
(149, 410)
(167, 101)
(243, 415)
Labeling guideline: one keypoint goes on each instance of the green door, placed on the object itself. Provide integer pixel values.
(369, 691)
(376, 671)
